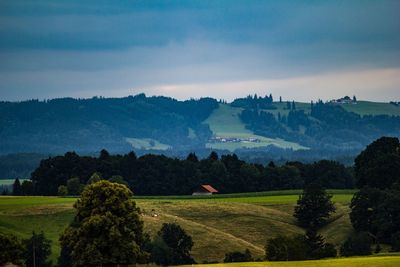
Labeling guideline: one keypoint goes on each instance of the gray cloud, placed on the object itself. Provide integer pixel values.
(50, 49)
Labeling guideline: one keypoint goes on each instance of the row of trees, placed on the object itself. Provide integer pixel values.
(161, 175)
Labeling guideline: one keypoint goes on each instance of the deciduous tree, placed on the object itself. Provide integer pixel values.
(107, 229)
(11, 250)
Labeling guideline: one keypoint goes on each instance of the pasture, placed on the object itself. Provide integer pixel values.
(373, 108)
(377, 261)
(217, 224)
(147, 144)
(225, 122)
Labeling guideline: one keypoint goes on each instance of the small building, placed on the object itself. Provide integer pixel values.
(204, 190)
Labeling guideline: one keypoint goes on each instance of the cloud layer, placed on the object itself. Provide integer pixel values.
(224, 49)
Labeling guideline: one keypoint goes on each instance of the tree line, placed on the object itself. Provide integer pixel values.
(160, 175)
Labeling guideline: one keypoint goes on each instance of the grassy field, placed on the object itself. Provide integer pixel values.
(9, 181)
(361, 108)
(225, 122)
(373, 108)
(217, 224)
(378, 261)
(147, 144)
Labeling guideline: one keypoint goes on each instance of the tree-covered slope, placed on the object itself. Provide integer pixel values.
(88, 125)
(162, 124)
(330, 126)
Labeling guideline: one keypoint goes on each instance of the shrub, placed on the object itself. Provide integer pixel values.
(358, 244)
(238, 256)
(283, 248)
(11, 250)
(396, 241)
(172, 246)
(62, 191)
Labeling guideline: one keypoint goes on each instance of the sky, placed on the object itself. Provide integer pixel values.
(301, 50)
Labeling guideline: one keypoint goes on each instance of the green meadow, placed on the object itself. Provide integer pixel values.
(378, 261)
(147, 144)
(225, 122)
(218, 224)
(373, 108)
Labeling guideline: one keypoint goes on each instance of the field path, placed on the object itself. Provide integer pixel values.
(212, 229)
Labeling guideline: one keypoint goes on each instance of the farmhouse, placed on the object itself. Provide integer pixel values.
(204, 190)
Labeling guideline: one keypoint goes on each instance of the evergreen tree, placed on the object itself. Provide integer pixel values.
(317, 248)
(27, 188)
(17, 188)
(192, 157)
(213, 156)
(38, 250)
(313, 207)
(74, 186)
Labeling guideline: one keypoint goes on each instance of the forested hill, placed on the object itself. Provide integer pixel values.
(116, 124)
(248, 126)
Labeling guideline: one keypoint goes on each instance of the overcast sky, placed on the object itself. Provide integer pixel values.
(302, 50)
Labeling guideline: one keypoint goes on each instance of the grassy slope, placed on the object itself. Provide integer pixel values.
(145, 143)
(373, 108)
(217, 225)
(361, 108)
(379, 261)
(225, 122)
(10, 181)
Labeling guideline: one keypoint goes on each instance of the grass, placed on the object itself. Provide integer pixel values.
(10, 181)
(147, 144)
(218, 224)
(373, 108)
(378, 261)
(225, 122)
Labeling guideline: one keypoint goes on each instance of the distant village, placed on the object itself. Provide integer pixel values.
(219, 139)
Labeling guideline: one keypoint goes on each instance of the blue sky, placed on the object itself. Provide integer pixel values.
(300, 50)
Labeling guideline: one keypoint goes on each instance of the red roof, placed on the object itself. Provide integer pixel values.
(209, 188)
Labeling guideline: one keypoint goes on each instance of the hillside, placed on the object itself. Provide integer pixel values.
(376, 261)
(225, 122)
(275, 130)
(217, 225)
(116, 124)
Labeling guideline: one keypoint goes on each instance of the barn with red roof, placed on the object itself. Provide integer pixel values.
(204, 190)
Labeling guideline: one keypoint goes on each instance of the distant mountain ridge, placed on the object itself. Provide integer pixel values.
(160, 124)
